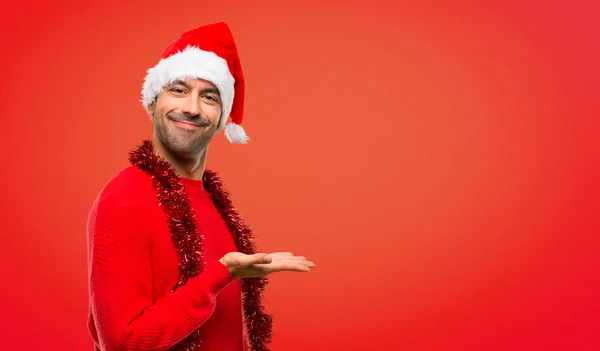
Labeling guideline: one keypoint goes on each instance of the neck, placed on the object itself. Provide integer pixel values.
(185, 165)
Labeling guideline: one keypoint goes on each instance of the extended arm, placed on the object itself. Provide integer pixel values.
(120, 286)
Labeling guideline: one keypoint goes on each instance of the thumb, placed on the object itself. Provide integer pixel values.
(260, 258)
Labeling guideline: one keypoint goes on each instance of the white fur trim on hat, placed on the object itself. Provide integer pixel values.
(191, 63)
(236, 134)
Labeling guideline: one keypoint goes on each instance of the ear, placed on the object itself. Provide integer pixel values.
(150, 110)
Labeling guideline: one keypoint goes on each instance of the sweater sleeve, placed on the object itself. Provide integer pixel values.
(120, 284)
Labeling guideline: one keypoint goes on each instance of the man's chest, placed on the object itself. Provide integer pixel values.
(215, 240)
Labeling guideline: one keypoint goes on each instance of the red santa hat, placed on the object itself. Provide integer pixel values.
(208, 52)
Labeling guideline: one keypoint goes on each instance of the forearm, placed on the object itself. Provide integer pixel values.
(127, 319)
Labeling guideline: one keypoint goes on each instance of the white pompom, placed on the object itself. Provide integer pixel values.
(236, 134)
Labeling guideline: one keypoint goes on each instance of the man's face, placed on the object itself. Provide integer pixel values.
(186, 115)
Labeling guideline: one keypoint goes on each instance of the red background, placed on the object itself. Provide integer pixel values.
(438, 162)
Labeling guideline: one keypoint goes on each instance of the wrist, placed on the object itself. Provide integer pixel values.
(222, 260)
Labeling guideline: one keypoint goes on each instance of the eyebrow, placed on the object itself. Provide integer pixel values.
(180, 82)
(211, 90)
(203, 91)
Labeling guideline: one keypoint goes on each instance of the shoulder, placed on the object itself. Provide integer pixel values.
(129, 185)
(129, 193)
(128, 181)
(123, 213)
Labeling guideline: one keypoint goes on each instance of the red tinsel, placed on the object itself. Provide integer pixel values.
(187, 240)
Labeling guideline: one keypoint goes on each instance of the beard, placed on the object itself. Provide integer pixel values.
(181, 141)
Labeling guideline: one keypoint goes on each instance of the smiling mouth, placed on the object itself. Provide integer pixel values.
(188, 125)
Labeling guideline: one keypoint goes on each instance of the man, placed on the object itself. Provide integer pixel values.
(169, 256)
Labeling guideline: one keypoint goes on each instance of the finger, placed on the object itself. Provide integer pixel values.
(282, 266)
(277, 255)
(310, 264)
(304, 261)
(294, 258)
(297, 259)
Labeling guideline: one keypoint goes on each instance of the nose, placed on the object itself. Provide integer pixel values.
(191, 105)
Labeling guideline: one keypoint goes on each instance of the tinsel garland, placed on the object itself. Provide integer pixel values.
(187, 240)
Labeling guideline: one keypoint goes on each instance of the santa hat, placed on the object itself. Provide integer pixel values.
(208, 52)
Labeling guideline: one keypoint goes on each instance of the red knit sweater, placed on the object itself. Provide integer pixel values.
(133, 266)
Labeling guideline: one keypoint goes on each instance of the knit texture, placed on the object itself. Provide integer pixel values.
(133, 267)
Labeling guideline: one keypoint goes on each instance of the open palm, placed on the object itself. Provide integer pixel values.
(259, 265)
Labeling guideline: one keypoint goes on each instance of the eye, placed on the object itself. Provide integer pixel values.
(211, 98)
(177, 90)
